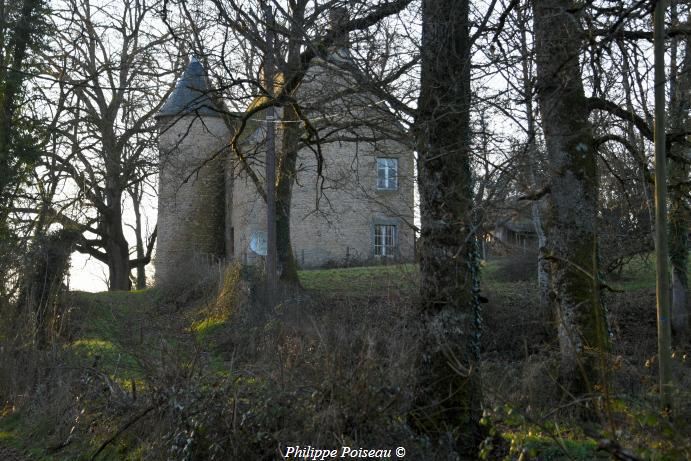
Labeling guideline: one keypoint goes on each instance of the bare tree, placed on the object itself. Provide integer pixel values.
(142, 249)
(574, 183)
(543, 275)
(112, 94)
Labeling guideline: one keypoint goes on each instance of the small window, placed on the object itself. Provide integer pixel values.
(384, 240)
(387, 173)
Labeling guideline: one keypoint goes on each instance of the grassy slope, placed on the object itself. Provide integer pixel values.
(361, 280)
(117, 335)
(638, 273)
(122, 332)
(638, 276)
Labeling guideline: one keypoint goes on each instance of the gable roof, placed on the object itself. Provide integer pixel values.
(334, 55)
(191, 94)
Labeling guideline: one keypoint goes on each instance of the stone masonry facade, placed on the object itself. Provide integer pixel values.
(209, 207)
(191, 218)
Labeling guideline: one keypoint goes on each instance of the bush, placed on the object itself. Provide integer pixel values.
(198, 284)
(311, 371)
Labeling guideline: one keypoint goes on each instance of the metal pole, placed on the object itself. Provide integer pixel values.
(664, 334)
(271, 278)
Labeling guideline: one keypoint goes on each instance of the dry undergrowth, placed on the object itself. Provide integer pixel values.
(230, 378)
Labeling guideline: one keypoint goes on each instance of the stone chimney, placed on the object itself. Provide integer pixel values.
(338, 17)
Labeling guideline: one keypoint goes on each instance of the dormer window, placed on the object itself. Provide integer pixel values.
(387, 173)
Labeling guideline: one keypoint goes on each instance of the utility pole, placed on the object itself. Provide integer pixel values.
(664, 333)
(271, 276)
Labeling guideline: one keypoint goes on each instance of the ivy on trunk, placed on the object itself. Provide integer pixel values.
(450, 391)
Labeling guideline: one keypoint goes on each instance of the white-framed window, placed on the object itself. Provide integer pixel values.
(385, 239)
(387, 173)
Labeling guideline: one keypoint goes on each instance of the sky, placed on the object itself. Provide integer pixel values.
(89, 274)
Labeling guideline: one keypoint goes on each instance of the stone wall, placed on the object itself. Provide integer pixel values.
(338, 228)
(209, 209)
(191, 196)
(248, 213)
(333, 223)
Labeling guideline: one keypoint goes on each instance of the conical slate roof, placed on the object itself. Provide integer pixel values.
(191, 94)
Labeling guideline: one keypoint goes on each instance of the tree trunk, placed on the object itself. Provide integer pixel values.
(16, 40)
(574, 195)
(141, 265)
(287, 168)
(679, 192)
(664, 333)
(287, 161)
(450, 397)
(543, 277)
(117, 248)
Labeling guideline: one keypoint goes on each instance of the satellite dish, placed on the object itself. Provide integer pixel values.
(258, 242)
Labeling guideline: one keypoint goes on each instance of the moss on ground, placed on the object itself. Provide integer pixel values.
(10, 424)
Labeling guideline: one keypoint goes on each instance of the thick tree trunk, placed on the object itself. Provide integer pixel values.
(287, 161)
(287, 168)
(679, 193)
(574, 194)
(116, 246)
(543, 266)
(450, 389)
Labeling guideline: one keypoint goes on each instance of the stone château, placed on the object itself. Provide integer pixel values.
(209, 208)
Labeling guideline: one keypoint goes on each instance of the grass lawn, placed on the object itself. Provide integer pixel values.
(637, 274)
(362, 280)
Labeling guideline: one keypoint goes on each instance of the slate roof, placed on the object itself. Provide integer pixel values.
(191, 94)
(517, 224)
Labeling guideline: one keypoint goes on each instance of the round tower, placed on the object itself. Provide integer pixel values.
(192, 140)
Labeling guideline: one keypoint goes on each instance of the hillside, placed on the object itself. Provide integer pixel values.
(199, 376)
